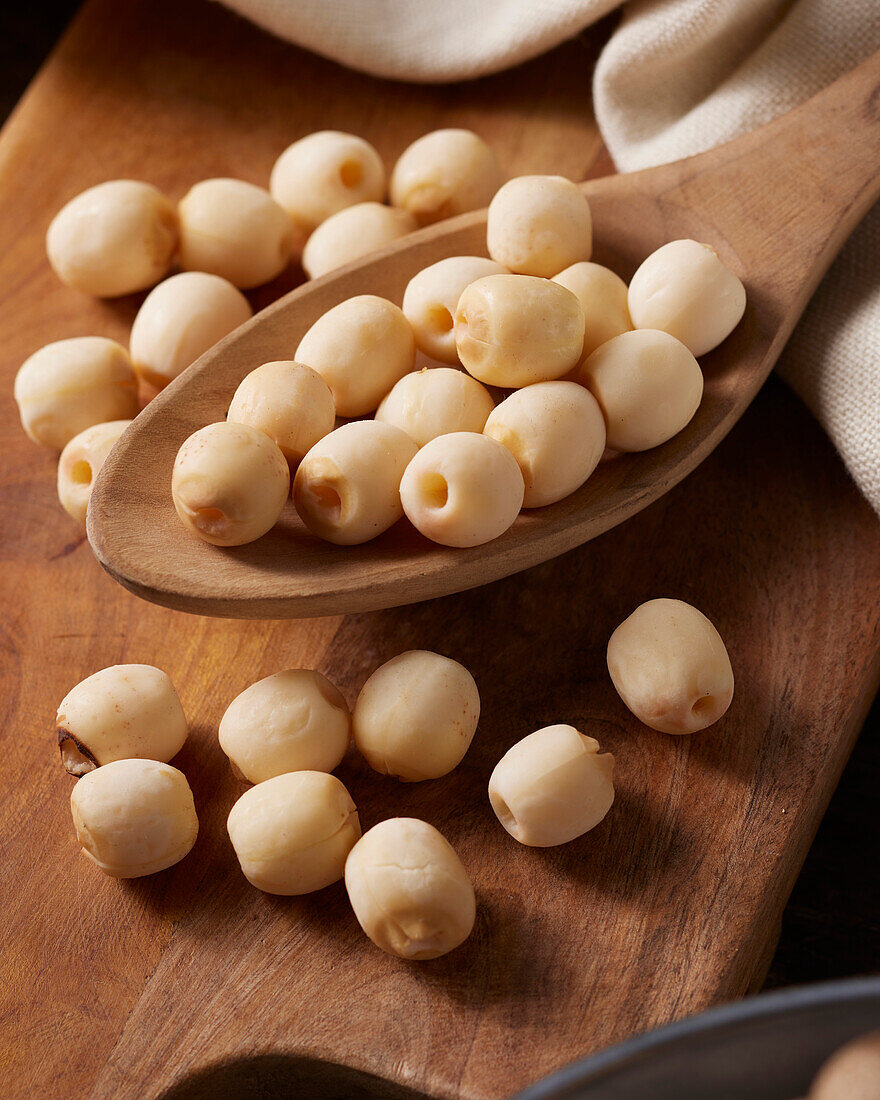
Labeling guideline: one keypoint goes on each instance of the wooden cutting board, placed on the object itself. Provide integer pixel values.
(191, 983)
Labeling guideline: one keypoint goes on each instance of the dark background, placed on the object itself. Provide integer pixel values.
(831, 926)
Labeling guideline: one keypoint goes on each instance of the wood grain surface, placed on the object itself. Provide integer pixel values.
(776, 204)
(192, 984)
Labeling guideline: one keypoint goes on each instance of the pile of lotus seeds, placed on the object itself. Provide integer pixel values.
(296, 830)
(589, 365)
(324, 207)
(592, 365)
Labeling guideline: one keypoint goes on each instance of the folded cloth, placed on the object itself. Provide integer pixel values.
(677, 77)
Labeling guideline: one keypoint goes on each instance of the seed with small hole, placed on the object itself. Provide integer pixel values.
(80, 463)
(229, 483)
(670, 667)
(347, 488)
(462, 489)
(552, 786)
(323, 173)
(431, 297)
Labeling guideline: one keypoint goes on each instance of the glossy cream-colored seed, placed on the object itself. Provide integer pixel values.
(235, 230)
(436, 401)
(123, 712)
(462, 489)
(539, 225)
(684, 289)
(292, 833)
(113, 239)
(292, 721)
(430, 299)
(552, 786)
(409, 890)
(229, 483)
(323, 173)
(288, 401)
(68, 386)
(416, 716)
(603, 298)
(360, 348)
(134, 817)
(514, 330)
(556, 433)
(352, 233)
(444, 173)
(851, 1073)
(648, 386)
(80, 463)
(670, 667)
(347, 488)
(180, 319)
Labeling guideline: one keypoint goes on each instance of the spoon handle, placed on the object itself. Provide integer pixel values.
(781, 200)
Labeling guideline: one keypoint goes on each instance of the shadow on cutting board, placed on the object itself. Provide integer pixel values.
(286, 1077)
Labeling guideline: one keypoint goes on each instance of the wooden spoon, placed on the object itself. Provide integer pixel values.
(777, 204)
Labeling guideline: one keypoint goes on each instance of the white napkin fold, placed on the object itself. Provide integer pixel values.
(676, 77)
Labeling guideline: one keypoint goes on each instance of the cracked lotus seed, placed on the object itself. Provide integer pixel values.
(113, 239)
(290, 402)
(552, 786)
(462, 489)
(294, 720)
(70, 385)
(134, 817)
(80, 463)
(229, 483)
(538, 225)
(123, 712)
(179, 320)
(235, 230)
(409, 890)
(416, 716)
(513, 330)
(670, 667)
(292, 833)
(444, 173)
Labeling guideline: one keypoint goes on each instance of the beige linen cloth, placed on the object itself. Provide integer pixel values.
(676, 77)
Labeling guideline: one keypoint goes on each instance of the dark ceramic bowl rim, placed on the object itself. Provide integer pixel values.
(598, 1067)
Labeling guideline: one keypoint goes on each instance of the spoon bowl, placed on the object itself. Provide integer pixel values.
(776, 204)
